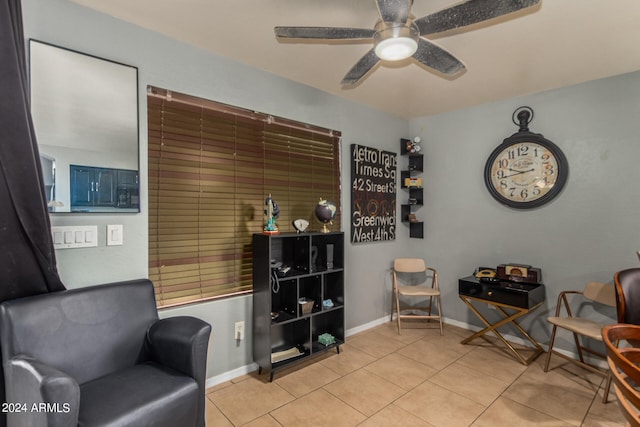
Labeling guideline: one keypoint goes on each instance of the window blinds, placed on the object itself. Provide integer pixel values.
(211, 166)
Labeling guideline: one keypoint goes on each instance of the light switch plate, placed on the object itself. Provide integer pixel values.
(80, 236)
(115, 235)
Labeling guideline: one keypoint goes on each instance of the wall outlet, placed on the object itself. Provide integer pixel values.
(239, 331)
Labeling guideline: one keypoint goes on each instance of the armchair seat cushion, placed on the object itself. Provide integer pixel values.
(143, 395)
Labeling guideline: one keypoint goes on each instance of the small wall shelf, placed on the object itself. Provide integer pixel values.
(411, 181)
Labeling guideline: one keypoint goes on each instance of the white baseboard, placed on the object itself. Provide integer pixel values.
(366, 326)
(244, 370)
(230, 375)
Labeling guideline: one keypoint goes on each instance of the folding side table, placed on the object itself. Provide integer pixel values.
(518, 298)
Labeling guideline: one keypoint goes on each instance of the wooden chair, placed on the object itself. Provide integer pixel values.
(581, 327)
(623, 359)
(426, 286)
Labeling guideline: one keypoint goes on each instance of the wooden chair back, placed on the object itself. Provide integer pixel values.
(409, 265)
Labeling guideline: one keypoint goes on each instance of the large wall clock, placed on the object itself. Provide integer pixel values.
(526, 170)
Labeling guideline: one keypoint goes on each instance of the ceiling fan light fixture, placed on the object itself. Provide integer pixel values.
(395, 43)
(396, 49)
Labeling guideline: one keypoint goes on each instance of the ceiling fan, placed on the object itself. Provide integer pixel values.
(397, 35)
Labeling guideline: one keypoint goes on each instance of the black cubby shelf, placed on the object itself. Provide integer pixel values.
(415, 197)
(285, 333)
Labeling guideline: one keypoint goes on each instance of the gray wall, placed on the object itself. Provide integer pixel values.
(589, 232)
(170, 64)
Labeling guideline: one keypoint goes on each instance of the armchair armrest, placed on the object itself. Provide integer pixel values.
(181, 343)
(40, 395)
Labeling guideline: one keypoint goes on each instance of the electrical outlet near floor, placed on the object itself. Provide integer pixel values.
(239, 331)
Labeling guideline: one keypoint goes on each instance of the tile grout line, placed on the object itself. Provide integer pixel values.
(402, 345)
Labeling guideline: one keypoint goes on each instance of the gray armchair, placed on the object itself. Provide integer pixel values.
(99, 356)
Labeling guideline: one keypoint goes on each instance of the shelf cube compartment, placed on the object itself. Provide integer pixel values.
(334, 289)
(291, 335)
(330, 323)
(311, 289)
(416, 163)
(329, 249)
(284, 302)
(293, 252)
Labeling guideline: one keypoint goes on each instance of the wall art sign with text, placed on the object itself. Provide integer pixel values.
(373, 194)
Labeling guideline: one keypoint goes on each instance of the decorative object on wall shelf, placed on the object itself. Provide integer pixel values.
(272, 212)
(414, 146)
(526, 170)
(413, 184)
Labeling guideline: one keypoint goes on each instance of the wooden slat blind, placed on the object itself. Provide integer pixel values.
(211, 167)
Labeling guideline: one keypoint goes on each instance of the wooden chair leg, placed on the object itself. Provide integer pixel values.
(578, 346)
(440, 313)
(398, 310)
(607, 387)
(393, 295)
(550, 349)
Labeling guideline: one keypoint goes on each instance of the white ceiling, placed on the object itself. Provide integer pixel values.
(554, 44)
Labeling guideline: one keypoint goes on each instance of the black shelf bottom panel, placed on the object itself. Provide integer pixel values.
(317, 347)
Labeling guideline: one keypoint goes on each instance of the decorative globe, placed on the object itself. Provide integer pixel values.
(325, 212)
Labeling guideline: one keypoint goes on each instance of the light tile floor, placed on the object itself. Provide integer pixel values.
(418, 378)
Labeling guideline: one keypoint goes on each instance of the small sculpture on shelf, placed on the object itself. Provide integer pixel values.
(328, 303)
(325, 212)
(414, 146)
(326, 339)
(272, 212)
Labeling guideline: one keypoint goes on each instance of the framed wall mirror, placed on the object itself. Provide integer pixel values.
(85, 115)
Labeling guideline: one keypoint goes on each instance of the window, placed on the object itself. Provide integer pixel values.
(211, 166)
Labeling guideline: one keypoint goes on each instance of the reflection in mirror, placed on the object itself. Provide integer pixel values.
(85, 114)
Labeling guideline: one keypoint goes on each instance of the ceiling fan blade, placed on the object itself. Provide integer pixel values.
(469, 12)
(433, 56)
(324, 33)
(396, 11)
(362, 67)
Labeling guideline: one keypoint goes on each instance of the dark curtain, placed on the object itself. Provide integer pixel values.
(27, 261)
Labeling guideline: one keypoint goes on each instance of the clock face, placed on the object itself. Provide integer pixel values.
(526, 172)
(300, 224)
